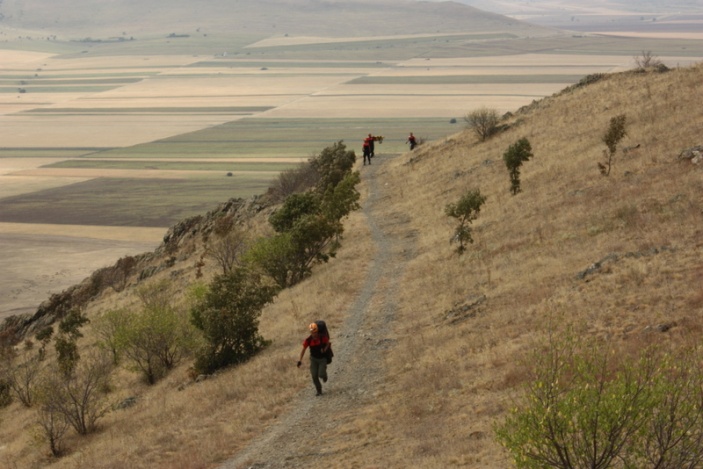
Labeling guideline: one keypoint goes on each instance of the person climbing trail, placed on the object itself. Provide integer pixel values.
(320, 350)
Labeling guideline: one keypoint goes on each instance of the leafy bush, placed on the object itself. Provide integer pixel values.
(275, 257)
(228, 316)
(107, 327)
(612, 136)
(465, 210)
(155, 340)
(332, 165)
(294, 208)
(586, 406)
(308, 225)
(513, 157)
(483, 122)
(65, 341)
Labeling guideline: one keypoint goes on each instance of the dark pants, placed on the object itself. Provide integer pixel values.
(367, 155)
(318, 370)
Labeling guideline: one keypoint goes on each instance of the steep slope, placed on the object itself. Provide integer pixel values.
(431, 345)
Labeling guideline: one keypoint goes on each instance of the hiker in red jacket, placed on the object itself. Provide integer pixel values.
(319, 344)
(412, 141)
(368, 142)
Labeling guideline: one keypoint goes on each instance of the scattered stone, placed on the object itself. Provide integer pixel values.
(611, 258)
(466, 310)
(127, 403)
(693, 154)
(664, 327)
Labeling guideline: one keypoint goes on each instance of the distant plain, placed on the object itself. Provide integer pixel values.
(106, 145)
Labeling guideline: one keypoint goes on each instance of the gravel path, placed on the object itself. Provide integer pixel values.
(356, 372)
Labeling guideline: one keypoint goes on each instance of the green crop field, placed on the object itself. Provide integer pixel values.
(287, 138)
(129, 202)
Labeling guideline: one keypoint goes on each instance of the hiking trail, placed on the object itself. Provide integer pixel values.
(356, 372)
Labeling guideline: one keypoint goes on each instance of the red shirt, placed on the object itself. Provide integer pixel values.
(316, 345)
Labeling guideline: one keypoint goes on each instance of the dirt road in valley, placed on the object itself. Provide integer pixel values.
(356, 373)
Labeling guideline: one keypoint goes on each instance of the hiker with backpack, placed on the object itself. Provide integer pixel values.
(366, 149)
(320, 353)
(412, 141)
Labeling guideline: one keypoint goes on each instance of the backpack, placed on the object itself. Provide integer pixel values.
(322, 329)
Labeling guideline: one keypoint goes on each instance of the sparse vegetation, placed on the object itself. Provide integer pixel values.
(227, 248)
(80, 398)
(647, 60)
(438, 340)
(483, 122)
(466, 210)
(514, 156)
(612, 136)
(23, 379)
(586, 405)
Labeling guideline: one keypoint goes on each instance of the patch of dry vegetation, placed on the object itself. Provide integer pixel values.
(462, 324)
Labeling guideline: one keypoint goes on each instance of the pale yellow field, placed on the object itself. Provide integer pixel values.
(656, 35)
(361, 106)
(98, 131)
(524, 60)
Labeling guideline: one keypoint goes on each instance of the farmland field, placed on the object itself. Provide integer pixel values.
(106, 145)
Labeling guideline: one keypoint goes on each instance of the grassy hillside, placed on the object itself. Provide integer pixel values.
(431, 345)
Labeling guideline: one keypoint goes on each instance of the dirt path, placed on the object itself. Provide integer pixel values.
(356, 372)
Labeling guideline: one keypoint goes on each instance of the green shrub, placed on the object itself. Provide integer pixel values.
(513, 157)
(612, 136)
(228, 316)
(587, 406)
(155, 338)
(332, 165)
(309, 224)
(294, 207)
(465, 211)
(66, 340)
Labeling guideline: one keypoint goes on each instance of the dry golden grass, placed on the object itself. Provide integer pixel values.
(447, 378)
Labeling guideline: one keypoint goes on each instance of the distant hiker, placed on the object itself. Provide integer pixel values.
(319, 343)
(412, 141)
(372, 139)
(368, 142)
